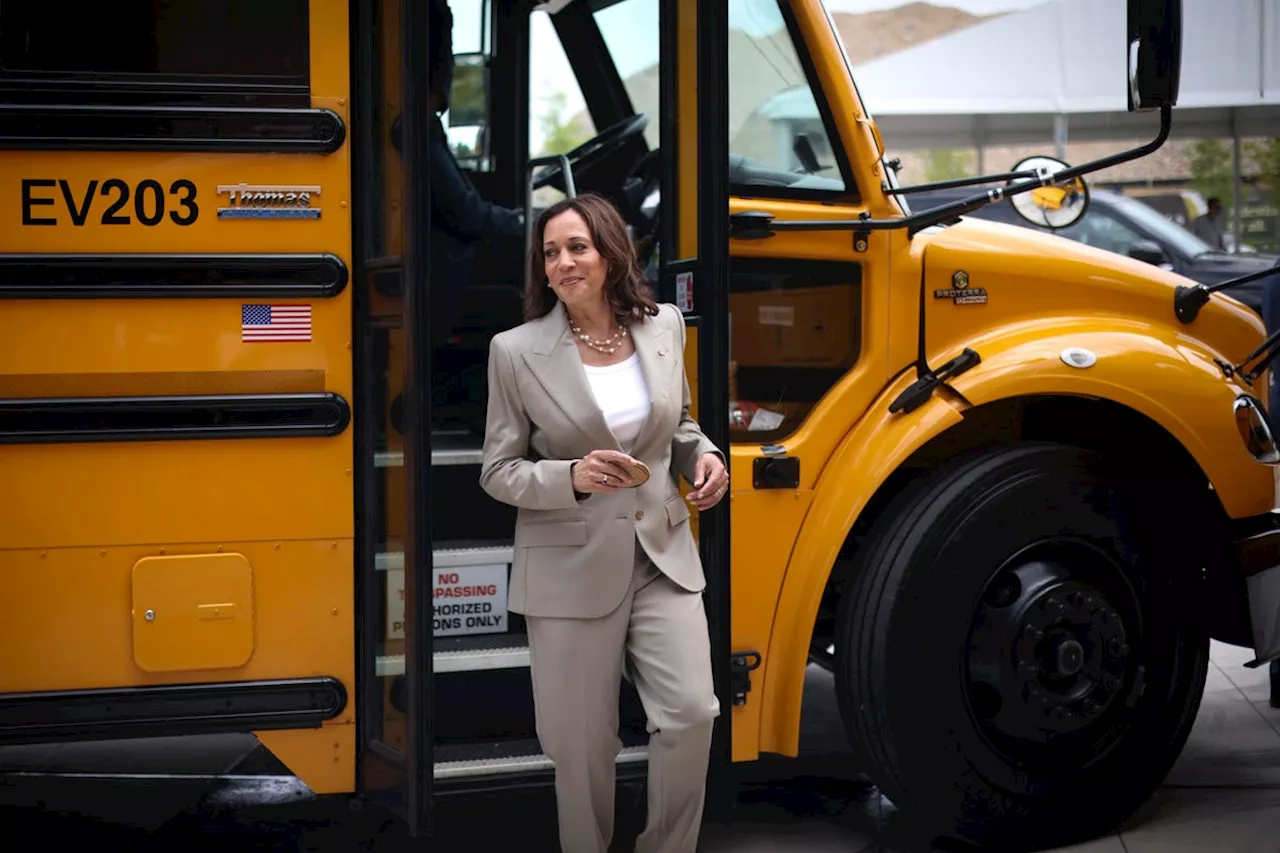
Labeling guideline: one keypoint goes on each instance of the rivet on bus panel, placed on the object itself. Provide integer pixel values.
(219, 549)
(102, 553)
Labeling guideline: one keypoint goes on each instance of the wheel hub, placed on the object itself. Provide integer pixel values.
(1049, 654)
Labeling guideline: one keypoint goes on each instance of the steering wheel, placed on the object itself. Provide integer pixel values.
(594, 151)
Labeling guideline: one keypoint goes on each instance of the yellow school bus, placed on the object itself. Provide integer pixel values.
(998, 482)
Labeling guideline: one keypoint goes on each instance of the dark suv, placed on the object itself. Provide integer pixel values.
(1130, 227)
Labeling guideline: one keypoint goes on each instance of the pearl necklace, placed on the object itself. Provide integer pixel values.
(608, 346)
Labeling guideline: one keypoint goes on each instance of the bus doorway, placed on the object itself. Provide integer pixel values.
(445, 700)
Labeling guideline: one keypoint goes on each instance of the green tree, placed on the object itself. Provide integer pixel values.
(1210, 163)
(1266, 160)
(944, 164)
(560, 134)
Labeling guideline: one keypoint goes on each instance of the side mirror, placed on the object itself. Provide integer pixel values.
(1154, 53)
(469, 107)
(1148, 252)
(469, 97)
(1056, 205)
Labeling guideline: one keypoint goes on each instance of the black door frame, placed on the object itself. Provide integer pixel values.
(414, 65)
(712, 307)
(400, 782)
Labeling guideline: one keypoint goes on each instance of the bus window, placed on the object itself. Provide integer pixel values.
(137, 52)
(558, 117)
(778, 139)
(468, 119)
(630, 33)
(795, 322)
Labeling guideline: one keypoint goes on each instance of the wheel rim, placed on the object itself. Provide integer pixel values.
(1054, 655)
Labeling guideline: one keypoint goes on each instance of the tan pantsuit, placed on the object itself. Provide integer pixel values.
(613, 579)
(576, 676)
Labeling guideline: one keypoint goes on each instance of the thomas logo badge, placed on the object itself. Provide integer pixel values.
(961, 293)
(249, 201)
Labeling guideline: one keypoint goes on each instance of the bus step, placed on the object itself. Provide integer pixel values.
(452, 555)
(492, 759)
(450, 447)
(468, 654)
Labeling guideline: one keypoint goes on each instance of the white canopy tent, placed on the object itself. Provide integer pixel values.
(1059, 69)
(1014, 79)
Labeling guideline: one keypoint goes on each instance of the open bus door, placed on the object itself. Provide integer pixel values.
(393, 449)
(445, 701)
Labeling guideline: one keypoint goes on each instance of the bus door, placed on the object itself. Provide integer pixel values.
(393, 437)
(446, 699)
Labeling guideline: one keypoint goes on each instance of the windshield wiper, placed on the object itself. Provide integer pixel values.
(1187, 301)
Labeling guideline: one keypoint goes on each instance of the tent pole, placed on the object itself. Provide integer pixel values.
(1237, 196)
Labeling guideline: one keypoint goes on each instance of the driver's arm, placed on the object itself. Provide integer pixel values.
(456, 207)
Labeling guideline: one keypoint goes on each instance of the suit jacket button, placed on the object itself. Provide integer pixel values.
(639, 514)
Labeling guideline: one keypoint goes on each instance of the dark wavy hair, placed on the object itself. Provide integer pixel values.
(625, 286)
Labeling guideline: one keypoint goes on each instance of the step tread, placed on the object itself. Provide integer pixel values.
(450, 554)
(451, 447)
(467, 654)
(504, 757)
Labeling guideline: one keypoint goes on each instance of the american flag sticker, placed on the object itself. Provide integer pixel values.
(275, 323)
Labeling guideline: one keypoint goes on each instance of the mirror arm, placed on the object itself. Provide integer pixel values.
(958, 182)
(1187, 301)
(927, 218)
(1166, 124)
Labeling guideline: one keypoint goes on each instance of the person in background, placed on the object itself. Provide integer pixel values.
(1208, 227)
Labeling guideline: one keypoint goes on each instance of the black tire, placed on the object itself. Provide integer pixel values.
(937, 653)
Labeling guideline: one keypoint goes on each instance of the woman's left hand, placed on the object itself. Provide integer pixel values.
(711, 483)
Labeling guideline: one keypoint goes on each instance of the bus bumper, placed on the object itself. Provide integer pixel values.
(1256, 548)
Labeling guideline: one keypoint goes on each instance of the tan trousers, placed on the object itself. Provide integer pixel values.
(576, 664)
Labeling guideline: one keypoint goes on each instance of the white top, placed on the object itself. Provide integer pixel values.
(623, 397)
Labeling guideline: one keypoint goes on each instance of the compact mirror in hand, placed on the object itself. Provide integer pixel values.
(638, 470)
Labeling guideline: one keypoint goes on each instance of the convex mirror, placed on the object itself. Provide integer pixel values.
(1056, 205)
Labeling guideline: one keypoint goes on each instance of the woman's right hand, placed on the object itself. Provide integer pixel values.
(601, 471)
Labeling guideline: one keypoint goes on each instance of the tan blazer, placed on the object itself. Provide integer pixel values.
(575, 558)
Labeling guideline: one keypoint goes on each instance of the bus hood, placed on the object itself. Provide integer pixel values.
(981, 277)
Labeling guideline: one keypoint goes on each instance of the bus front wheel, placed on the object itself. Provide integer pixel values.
(1015, 660)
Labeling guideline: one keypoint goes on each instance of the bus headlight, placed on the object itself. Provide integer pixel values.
(1255, 430)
